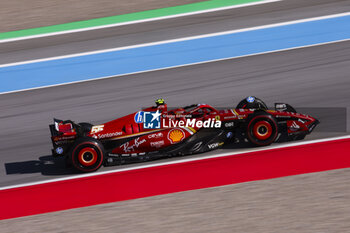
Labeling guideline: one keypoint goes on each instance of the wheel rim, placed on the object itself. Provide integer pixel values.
(87, 156)
(262, 130)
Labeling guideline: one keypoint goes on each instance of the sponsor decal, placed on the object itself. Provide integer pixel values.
(209, 123)
(197, 146)
(229, 135)
(229, 117)
(155, 135)
(63, 142)
(129, 148)
(279, 116)
(176, 135)
(150, 120)
(139, 117)
(234, 111)
(215, 145)
(59, 150)
(108, 135)
(229, 124)
(250, 99)
(64, 138)
(177, 115)
(97, 128)
(157, 144)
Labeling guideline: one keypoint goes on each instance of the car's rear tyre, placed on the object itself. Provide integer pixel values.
(87, 155)
(262, 129)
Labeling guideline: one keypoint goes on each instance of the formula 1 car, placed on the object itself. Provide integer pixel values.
(158, 132)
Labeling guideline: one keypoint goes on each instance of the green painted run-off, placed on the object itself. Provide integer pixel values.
(206, 5)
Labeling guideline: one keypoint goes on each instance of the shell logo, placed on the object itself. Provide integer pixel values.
(176, 135)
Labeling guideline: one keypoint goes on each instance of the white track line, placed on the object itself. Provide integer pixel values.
(172, 67)
(178, 39)
(138, 21)
(185, 160)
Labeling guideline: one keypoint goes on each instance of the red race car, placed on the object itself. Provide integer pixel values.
(157, 132)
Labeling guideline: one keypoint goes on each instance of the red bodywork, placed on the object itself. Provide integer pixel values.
(157, 132)
(147, 140)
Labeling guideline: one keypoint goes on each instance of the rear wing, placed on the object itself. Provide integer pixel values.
(68, 127)
(63, 134)
(63, 127)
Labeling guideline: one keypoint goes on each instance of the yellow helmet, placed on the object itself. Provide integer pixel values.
(160, 101)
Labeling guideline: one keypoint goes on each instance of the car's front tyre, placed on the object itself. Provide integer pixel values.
(262, 129)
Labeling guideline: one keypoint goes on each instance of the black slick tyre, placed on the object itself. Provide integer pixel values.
(262, 129)
(87, 155)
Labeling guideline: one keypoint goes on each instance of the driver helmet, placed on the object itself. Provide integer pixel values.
(160, 101)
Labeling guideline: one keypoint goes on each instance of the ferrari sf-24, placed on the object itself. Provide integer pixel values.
(158, 132)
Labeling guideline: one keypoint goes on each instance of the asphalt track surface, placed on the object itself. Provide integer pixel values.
(315, 77)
